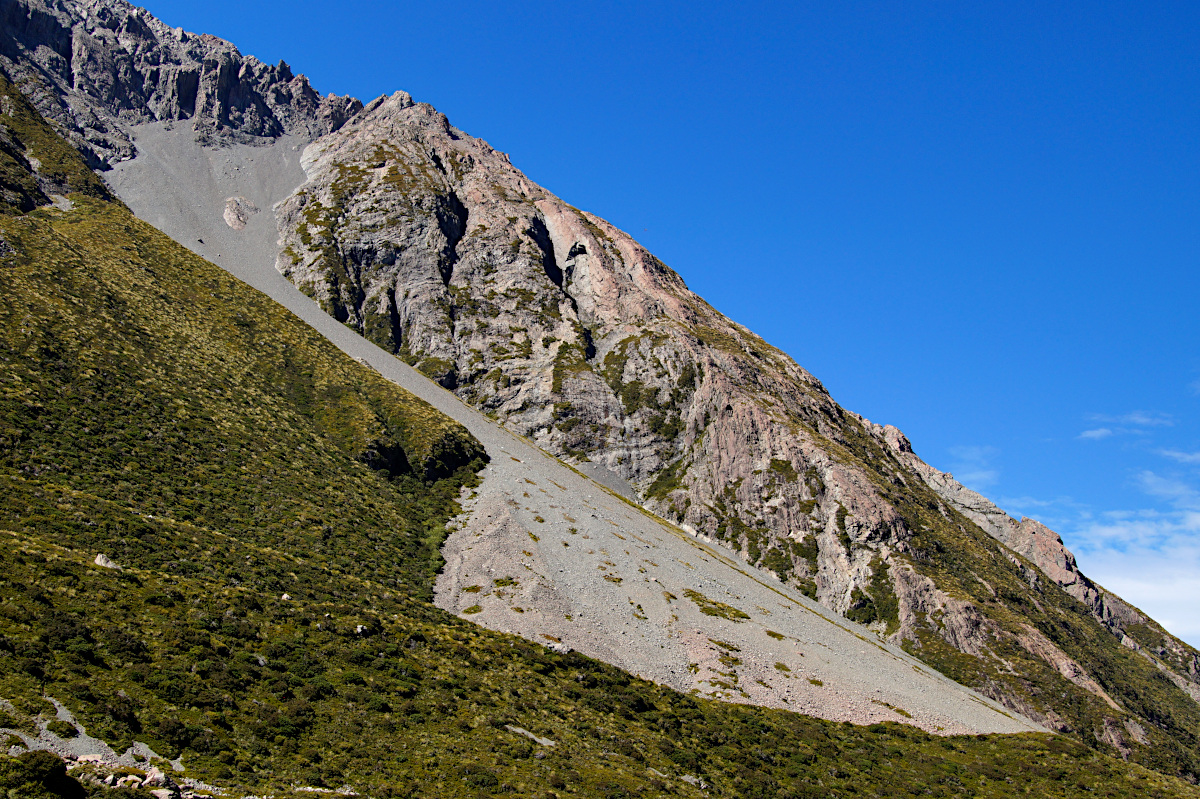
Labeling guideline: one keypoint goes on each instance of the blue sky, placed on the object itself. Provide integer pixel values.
(977, 222)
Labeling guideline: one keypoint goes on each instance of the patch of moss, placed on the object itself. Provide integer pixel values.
(777, 561)
(667, 480)
(878, 603)
(569, 360)
(784, 469)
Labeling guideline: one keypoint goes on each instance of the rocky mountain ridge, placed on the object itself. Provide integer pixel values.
(97, 67)
(1044, 548)
(432, 245)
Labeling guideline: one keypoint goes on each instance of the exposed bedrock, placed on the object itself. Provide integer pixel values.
(95, 68)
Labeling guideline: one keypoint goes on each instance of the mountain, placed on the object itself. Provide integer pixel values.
(433, 246)
(220, 534)
(95, 68)
(543, 551)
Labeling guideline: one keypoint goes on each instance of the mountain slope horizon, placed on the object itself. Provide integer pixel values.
(431, 245)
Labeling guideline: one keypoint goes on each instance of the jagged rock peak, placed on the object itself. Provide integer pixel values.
(96, 67)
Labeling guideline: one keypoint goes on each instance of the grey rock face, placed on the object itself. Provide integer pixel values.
(99, 66)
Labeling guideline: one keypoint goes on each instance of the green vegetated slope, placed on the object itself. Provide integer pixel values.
(156, 411)
(57, 166)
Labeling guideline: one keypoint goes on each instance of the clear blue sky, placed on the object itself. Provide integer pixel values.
(979, 222)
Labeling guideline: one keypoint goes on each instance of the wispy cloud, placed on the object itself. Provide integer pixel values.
(1159, 530)
(1195, 387)
(1027, 502)
(1162, 583)
(1137, 419)
(1148, 556)
(1058, 513)
(1180, 494)
(1132, 423)
(972, 466)
(1129, 532)
(1182, 457)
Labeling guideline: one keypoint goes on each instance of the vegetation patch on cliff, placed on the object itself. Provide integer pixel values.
(711, 607)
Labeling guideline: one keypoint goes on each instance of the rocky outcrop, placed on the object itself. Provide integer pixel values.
(97, 67)
(91, 760)
(1029, 538)
(1036, 642)
(431, 244)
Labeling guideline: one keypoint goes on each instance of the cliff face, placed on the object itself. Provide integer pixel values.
(96, 67)
(430, 243)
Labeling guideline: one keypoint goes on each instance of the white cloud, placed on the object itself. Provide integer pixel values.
(1136, 531)
(1182, 457)
(1149, 557)
(1097, 434)
(1137, 419)
(1195, 387)
(972, 466)
(1162, 583)
(1177, 492)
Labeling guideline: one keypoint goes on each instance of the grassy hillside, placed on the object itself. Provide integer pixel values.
(275, 510)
